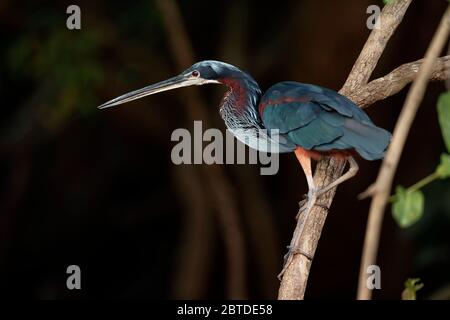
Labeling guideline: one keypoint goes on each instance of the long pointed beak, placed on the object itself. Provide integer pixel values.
(169, 84)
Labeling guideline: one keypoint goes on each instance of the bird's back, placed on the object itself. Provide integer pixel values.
(320, 119)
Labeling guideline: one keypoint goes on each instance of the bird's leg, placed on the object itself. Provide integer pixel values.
(311, 201)
(351, 172)
(302, 204)
(305, 162)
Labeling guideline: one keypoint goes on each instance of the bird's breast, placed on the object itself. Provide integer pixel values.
(262, 140)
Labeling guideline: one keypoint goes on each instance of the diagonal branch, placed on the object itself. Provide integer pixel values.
(225, 200)
(382, 187)
(390, 18)
(396, 80)
(295, 278)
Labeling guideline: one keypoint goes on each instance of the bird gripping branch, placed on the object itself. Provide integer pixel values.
(306, 119)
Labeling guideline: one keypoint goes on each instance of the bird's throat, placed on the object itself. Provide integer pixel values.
(239, 111)
(239, 105)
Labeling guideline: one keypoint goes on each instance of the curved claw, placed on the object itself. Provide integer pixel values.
(303, 204)
(288, 258)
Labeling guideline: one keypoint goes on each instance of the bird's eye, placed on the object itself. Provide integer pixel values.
(195, 74)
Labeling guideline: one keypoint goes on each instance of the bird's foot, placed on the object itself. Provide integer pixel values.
(288, 259)
(308, 198)
(303, 204)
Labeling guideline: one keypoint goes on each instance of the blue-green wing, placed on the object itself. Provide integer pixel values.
(321, 119)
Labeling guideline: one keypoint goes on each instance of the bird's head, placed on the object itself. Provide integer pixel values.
(208, 71)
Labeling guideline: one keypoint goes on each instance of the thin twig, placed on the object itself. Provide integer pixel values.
(258, 218)
(396, 80)
(215, 177)
(295, 278)
(390, 18)
(196, 245)
(382, 187)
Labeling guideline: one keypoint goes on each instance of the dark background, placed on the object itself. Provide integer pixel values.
(98, 188)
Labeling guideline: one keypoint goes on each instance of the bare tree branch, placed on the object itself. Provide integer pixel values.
(390, 18)
(382, 187)
(395, 81)
(295, 278)
(196, 246)
(257, 213)
(215, 177)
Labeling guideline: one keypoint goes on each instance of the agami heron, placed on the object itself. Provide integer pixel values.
(311, 121)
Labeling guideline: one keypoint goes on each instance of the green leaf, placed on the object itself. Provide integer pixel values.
(388, 1)
(443, 107)
(443, 169)
(407, 208)
(411, 288)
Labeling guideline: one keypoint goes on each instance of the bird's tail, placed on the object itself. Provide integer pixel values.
(369, 140)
